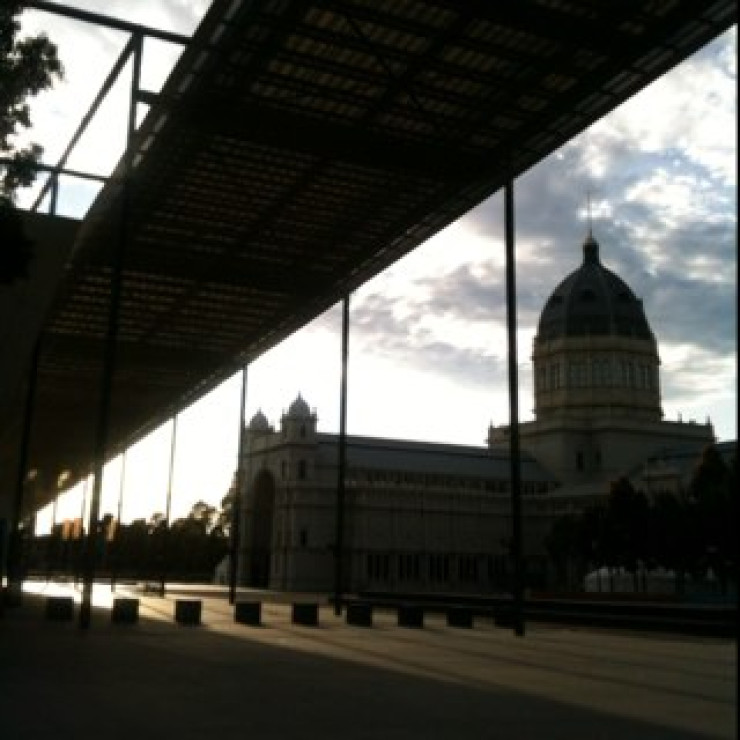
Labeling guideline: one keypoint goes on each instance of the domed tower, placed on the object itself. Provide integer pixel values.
(259, 423)
(594, 354)
(299, 423)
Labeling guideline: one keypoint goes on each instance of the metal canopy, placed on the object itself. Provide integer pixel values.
(297, 149)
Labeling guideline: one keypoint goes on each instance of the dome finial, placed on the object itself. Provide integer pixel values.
(590, 246)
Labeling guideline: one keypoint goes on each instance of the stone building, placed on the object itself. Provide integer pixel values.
(418, 516)
(597, 405)
(422, 517)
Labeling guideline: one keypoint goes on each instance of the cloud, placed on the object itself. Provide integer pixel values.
(663, 210)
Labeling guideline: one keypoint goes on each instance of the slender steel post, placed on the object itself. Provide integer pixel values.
(341, 467)
(54, 511)
(516, 477)
(168, 507)
(117, 526)
(54, 196)
(83, 505)
(121, 487)
(236, 503)
(14, 557)
(55, 551)
(170, 475)
(80, 546)
(111, 341)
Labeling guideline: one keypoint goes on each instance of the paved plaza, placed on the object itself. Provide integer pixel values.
(228, 680)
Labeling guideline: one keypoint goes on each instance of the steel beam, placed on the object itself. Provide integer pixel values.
(107, 21)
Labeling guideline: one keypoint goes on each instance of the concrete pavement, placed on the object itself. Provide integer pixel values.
(226, 680)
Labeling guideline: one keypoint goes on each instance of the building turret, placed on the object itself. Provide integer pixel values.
(299, 423)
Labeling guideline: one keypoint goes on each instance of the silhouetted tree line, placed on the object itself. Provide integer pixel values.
(689, 533)
(188, 549)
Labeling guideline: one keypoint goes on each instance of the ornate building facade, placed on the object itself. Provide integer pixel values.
(418, 516)
(597, 401)
(423, 517)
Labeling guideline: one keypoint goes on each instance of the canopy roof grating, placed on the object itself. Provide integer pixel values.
(299, 148)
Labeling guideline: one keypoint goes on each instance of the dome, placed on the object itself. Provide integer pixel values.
(594, 301)
(259, 423)
(299, 408)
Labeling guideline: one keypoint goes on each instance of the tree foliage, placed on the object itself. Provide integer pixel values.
(688, 534)
(27, 66)
(187, 549)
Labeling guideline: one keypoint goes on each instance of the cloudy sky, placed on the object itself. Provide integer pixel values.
(428, 341)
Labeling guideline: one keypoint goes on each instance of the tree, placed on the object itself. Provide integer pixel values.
(27, 66)
(626, 526)
(563, 547)
(712, 497)
(674, 541)
(204, 514)
(226, 514)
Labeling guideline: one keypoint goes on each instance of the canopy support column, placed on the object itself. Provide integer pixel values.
(168, 508)
(111, 341)
(113, 544)
(15, 545)
(514, 454)
(341, 467)
(236, 503)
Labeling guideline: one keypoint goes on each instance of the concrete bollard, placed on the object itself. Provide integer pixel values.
(188, 611)
(306, 614)
(410, 615)
(503, 616)
(360, 615)
(248, 612)
(60, 608)
(11, 595)
(459, 616)
(125, 611)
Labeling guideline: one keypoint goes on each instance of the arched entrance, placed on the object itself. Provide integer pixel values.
(263, 505)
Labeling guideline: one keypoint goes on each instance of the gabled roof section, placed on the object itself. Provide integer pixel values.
(396, 456)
